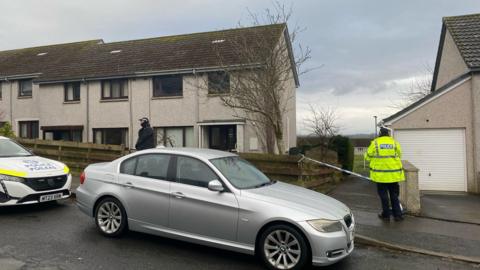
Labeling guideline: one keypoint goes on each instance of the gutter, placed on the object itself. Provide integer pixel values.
(20, 76)
(141, 74)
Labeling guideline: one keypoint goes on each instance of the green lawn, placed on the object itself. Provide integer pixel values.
(358, 165)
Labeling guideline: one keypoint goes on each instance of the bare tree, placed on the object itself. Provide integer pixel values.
(419, 88)
(323, 124)
(259, 87)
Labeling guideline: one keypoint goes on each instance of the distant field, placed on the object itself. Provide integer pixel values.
(358, 166)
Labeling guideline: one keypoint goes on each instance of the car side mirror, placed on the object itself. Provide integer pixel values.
(215, 185)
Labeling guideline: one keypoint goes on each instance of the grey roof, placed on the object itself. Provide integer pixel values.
(94, 58)
(465, 30)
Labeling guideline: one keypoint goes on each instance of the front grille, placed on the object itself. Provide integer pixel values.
(348, 220)
(46, 183)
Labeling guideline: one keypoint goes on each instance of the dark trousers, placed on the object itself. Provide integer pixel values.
(392, 189)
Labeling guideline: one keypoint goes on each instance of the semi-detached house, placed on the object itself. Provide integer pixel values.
(93, 91)
(440, 134)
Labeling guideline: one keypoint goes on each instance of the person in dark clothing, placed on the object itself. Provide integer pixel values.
(146, 138)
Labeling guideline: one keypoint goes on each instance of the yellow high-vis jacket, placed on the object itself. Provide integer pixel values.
(384, 154)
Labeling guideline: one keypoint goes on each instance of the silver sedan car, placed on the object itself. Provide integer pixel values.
(216, 199)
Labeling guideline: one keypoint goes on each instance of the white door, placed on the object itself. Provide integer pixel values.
(439, 154)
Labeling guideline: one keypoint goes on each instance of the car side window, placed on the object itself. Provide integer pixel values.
(153, 166)
(128, 166)
(193, 172)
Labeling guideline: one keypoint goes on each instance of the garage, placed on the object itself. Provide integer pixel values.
(440, 156)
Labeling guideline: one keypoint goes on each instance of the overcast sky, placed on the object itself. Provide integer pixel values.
(368, 49)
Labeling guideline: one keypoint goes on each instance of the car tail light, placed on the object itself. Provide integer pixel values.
(82, 178)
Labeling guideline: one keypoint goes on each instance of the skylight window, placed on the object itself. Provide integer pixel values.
(116, 51)
(218, 41)
(42, 54)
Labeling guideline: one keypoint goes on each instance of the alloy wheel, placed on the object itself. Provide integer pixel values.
(109, 217)
(282, 249)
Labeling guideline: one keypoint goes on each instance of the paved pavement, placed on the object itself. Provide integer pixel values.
(459, 207)
(431, 234)
(58, 236)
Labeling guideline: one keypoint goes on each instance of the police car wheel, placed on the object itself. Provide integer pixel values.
(110, 217)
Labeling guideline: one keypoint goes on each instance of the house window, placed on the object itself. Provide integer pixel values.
(174, 136)
(72, 91)
(28, 129)
(25, 88)
(116, 136)
(167, 86)
(63, 133)
(218, 83)
(114, 89)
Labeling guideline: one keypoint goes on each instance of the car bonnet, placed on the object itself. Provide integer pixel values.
(31, 166)
(313, 204)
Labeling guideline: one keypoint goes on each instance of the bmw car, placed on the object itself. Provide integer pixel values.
(217, 199)
(27, 179)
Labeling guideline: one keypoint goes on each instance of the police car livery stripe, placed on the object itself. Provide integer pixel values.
(13, 173)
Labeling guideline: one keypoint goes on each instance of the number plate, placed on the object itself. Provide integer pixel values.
(50, 197)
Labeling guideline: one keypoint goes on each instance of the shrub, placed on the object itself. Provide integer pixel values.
(344, 148)
(7, 131)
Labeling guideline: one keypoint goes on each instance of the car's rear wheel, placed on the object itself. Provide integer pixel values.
(283, 247)
(110, 217)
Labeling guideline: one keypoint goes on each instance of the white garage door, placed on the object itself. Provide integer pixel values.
(439, 154)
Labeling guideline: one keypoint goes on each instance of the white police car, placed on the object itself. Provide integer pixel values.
(26, 178)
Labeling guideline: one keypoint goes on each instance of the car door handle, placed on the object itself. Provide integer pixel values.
(129, 185)
(178, 195)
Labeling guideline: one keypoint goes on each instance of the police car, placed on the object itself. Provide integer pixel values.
(26, 178)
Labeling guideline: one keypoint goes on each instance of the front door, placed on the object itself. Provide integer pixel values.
(223, 137)
(196, 209)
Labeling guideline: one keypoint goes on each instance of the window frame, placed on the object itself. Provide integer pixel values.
(74, 87)
(123, 89)
(20, 88)
(126, 137)
(137, 157)
(31, 132)
(218, 88)
(174, 168)
(179, 92)
(184, 132)
(1, 90)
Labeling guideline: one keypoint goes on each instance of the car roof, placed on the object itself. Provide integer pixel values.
(203, 153)
(3, 138)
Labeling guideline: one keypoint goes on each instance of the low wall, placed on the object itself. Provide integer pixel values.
(409, 190)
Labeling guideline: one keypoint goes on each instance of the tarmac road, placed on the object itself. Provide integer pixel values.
(59, 236)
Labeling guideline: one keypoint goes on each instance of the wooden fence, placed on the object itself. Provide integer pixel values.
(76, 155)
(285, 168)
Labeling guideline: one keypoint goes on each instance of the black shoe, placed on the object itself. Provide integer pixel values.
(398, 219)
(384, 218)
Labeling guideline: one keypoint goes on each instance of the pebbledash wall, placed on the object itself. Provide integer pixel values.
(195, 108)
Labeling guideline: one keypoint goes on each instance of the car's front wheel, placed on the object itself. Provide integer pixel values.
(110, 217)
(283, 247)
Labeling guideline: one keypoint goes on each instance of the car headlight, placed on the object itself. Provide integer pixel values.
(10, 178)
(325, 225)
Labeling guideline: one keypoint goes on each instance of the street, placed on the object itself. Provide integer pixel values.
(59, 236)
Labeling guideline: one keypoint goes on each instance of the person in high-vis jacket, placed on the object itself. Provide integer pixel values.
(384, 154)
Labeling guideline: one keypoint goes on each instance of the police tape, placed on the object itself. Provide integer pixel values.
(335, 167)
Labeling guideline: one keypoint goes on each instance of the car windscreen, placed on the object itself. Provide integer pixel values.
(9, 148)
(241, 173)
